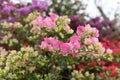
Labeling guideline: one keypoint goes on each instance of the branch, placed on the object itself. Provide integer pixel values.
(101, 11)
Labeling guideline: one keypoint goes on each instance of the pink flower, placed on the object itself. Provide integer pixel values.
(16, 24)
(36, 28)
(43, 45)
(37, 20)
(53, 42)
(88, 28)
(74, 38)
(64, 48)
(50, 43)
(67, 28)
(89, 41)
(48, 22)
(50, 48)
(74, 43)
(74, 54)
(101, 74)
(96, 32)
(80, 30)
(53, 16)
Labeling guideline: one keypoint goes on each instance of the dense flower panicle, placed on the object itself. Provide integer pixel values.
(87, 31)
(93, 31)
(48, 22)
(64, 47)
(51, 43)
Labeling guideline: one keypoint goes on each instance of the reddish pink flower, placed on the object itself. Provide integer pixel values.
(25, 43)
(114, 73)
(101, 74)
(92, 63)
(80, 66)
(102, 63)
(112, 44)
(74, 54)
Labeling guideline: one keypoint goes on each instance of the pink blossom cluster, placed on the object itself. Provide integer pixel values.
(64, 48)
(51, 43)
(48, 22)
(86, 36)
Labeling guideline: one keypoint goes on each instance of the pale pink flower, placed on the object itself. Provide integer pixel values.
(88, 28)
(80, 30)
(48, 22)
(67, 28)
(89, 41)
(96, 32)
(37, 20)
(36, 28)
(43, 45)
(50, 48)
(16, 24)
(50, 43)
(53, 16)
